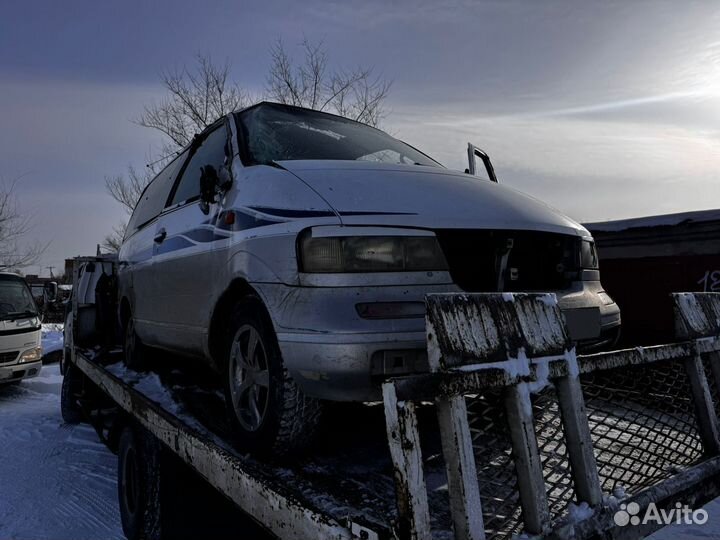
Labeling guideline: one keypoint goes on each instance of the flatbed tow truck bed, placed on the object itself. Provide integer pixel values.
(509, 433)
(344, 483)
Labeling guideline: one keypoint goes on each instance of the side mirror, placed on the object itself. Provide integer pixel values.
(208, 183)
(473, 152)
(212, 182)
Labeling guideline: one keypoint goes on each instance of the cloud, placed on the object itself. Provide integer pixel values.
(62, 138)
(589, 168)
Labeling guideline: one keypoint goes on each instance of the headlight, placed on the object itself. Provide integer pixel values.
(31, 355)
(588, 255)
(370, 254)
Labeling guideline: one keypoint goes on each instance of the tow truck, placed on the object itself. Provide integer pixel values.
(511, 432)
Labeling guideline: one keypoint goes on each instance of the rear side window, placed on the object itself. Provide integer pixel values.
(153, 199)
(210, 152)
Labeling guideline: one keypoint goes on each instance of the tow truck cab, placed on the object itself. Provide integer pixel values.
(20, 330)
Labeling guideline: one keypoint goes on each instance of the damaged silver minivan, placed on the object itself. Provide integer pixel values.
(292, 250)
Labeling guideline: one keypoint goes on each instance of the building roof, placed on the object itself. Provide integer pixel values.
(664, 220)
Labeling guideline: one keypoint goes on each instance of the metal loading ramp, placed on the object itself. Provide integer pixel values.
(548, 443)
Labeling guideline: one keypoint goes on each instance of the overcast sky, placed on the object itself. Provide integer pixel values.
(604, 110)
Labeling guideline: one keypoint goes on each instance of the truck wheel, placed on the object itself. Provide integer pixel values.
(71, 386)
(139, 485)
(266, 409)
(134, 349)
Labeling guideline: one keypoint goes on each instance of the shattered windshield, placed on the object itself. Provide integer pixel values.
(278, 132)
(15, 299)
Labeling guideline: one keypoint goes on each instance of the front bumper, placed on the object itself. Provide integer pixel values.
(334, 354)
(17, 372)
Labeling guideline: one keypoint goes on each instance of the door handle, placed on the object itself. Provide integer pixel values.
(160, 236)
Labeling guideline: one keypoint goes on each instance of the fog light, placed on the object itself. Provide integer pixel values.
(31, 355)
(391, 310)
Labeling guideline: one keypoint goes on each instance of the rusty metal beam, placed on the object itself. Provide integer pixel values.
(697, 315)
(704, 408)
(483, 328)
(531, 483)
(633, 357)
(463, 489)
(410, 490)
(578, 439)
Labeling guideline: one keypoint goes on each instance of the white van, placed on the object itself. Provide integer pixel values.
(292, 250)
(20, 330)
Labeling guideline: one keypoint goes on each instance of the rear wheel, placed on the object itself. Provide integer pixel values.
(135, 356)
(266, 409)
(139, 484)
(71, 387)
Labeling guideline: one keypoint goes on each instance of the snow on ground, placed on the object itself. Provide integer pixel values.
(52, 338)
(56, 481)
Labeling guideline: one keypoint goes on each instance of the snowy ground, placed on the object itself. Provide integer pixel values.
(56, 481)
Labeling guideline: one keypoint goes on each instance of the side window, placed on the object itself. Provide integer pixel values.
(153, 199)
(210, 152)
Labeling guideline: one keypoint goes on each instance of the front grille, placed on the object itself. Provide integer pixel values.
(496, 261)
(8, 357)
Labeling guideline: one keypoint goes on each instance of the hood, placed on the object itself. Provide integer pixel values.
(19, 335)
(434, 198)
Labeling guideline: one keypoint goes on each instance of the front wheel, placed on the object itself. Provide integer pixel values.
(266, 409)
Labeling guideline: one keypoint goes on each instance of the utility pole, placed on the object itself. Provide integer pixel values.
(51, 270)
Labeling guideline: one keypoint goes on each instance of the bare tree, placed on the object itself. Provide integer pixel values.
(127, 190)
(113, 241)
(14, 225)
(197, 98)
(358, 94)
(194, 100)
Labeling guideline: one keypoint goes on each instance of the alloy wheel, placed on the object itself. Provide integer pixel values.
(249, 377)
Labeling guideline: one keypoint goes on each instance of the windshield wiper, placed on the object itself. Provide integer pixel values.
(13, 315)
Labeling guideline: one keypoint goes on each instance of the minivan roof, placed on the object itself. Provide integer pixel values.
(304, 109)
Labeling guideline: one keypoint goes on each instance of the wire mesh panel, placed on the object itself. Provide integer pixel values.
(642, 424)
(553, 451)
(495, 466)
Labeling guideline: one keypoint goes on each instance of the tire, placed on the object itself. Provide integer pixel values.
(267, 411)
(139, 485)
(134, 356)
(71, 386)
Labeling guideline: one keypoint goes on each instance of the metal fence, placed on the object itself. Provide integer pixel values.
(529, 429)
